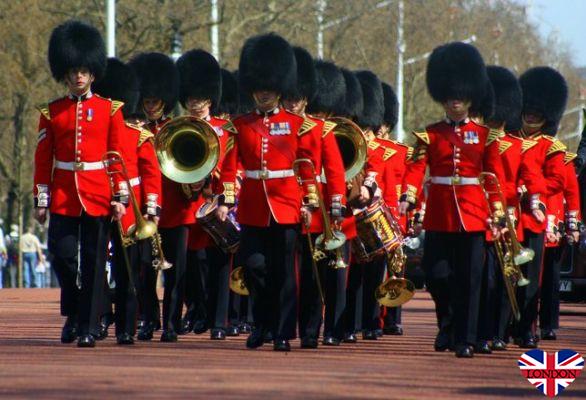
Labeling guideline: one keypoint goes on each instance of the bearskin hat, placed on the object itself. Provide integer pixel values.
(485, 108)
(354, 102)
(391, 106)
(119, 83)
(199, 76)
(267, 62)
(374, 104)
(545, 92)
(76, 44)
(456, 71)
(306, 76)
(229, 100)
(330, 97)
(158, 78)
(508, 97)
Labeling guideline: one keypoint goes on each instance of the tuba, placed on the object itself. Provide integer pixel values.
(509, 251)
(142, 229)
(188, 149)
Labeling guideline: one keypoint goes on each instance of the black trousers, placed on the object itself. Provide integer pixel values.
(354, 299)
(549, 310)
(528, 296)
(373, 275)
(334, 286)
(215, 276)
(125, 300)
(150, 310)
(269, 257)
(196, 295)
(175, 249)
(90, 234)
(453, 264)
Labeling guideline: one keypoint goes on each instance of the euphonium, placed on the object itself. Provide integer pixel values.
(508, 249)
(142, 229)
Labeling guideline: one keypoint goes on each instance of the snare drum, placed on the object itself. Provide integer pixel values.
(226, 234)
(378, 233)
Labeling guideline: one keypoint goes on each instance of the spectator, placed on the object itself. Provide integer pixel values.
(32, 255)
(12, 255)
(3, 254)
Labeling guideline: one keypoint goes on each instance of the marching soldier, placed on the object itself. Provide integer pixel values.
(266, 142)
(543, 175)
(326, 156)
(200, 91)
(137, 151)
(69, 178)
(457, 149)
(159, 84)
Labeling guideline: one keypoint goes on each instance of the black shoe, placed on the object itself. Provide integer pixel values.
(482, 347)
(186, 326)
(124, 339)
(140, 324)
(443, 340)
(331, 341)
(369, 335)
(69, 331)
(255, 339)
(245, 328)
(308, 343)
(379, 332)
(218, 334)
(200, 327)
(548, 334)
(102, 332)
(498, 345)
(168, 336)
(527, 342)
(393, 330)
(281, 345)
(268, 337)
(464, 351)
(146, 332)
(86, 340)
(350, 338)
(232, 331)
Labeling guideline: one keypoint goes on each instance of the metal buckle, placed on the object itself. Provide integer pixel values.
(264, 174)
(455, 180)
(78, 166)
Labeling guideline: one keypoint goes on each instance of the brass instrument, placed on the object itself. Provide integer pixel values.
(508, 249)
(238, 283)
(188, 149)
(331, 240)
(142, 229)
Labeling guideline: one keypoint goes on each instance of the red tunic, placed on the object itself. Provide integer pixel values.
(74, 133)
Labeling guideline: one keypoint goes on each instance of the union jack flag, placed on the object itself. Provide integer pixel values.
(551, 372)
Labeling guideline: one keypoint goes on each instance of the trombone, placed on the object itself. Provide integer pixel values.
(508, 249)
(142, 229)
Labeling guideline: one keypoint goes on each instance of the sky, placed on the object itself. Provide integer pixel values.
(567, 18)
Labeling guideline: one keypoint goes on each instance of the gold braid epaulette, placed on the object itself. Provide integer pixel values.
(306, 126)
(423, 136)
(388, 153)
(116, 105)
(229, 127)
(504, 146)
(328, 127)
(527, 144)
(569, 157)
(44, 110)
(556, 147)
(493, 135)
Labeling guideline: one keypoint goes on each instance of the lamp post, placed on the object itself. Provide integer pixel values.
(111, 27)
(214, 29)
(176, 43)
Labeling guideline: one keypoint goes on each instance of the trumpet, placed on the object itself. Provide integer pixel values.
(509, 251)
(142, 229)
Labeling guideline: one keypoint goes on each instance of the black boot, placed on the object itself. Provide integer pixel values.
(69, 331)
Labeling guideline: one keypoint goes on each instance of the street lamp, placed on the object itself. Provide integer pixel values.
(176, 43)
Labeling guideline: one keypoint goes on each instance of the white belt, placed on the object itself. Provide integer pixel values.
(135, 181)
(454, 180)
(79, 166)
(268, 174)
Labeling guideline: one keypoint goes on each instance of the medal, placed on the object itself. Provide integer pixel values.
(90, 115)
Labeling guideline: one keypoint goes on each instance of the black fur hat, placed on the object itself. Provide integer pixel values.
(456, 71)
(508, 97)
(76, 44)
(158, 78)
(354, 101)
(306, 76)
(545, 92)
(485, 108)
(229, 100)
(374, 104)
(119, 83)
(267, 62)
(199, 77)
(330, 97)
(391, 106)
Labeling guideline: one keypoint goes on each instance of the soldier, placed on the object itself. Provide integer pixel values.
(543, 175)
(266, 142)
(457, 149)
(200, 91)
(120, 83)
(326, 156)
(69, 178)
(159, 85)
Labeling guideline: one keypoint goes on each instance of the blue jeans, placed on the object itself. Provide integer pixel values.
(29, 262)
